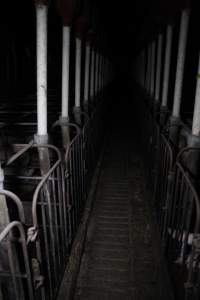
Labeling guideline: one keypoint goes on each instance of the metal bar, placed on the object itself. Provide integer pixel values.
(78, 73)
(87, 68)
(168, 49)
(65, 71)
(152, 84)
(180, 62)
(41, 18)
(159, 65)
(92, 74)
(196, 114)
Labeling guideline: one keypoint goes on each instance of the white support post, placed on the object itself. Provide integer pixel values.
(153, 46)
(4, 214)
(41, 19)
(158, 69)
(99, 78)
(146, 68)
(148, 78)
(78, 73)
(196, 115)
(96, 72)
(92, 75)
(102, 73)
(87, 69)
(65, 71)
(168, 50)
(180, 62)
(143, 68)
(42, 134)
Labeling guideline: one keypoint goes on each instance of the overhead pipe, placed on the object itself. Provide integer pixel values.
(66, 9)
(175, 118)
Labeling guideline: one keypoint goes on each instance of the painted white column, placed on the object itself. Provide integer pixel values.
(196, 114)
(153, 46)
(102, 73)
(87, 69)
(92, 75)
(96, 72)
(1, 178)
(149, 69)
(41, 19)
(143, 68)
(158, 69)
(78, 73)
(180, 62)
(99, 77)
(146, 69)
(65, 71)
(168, 50)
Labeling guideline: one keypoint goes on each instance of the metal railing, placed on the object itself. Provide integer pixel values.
(75, 181)
(50, 210)
(163, 184)
(183, 231)
(175, 194)
(15, 272)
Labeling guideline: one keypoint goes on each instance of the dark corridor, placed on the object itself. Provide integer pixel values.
(122, 256)
(99, 150)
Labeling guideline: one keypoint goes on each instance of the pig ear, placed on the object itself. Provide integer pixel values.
(66, 9)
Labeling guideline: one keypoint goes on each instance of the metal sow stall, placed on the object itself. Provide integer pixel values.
(172, 148)
(44, 187)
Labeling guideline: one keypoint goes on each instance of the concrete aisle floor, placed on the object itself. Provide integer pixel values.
(122, 256)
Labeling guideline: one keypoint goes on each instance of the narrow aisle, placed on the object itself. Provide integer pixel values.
(121, 258)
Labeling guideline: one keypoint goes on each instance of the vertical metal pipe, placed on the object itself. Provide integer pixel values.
(41, 19)
(96, 71)
(149, 69)
(92, 75)
(1, 177)
(102, 72)
(180, 62)
(100, 69)
(158, 69)
(146, 69)
(87, 68)
(78, 73)
(152, 86)
(65, 71)
(143, 68)
(196, 115)
(168, 49)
